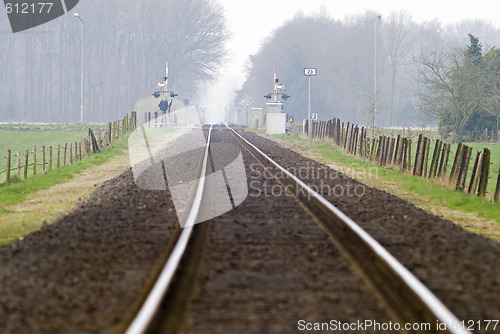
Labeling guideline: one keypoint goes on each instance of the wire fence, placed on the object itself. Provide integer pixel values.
(431, 159)
(22, 164)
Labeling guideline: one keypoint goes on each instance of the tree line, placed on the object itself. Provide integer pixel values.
(343, 52)
(126, 45)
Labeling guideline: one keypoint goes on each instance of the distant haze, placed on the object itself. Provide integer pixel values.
(252, 21)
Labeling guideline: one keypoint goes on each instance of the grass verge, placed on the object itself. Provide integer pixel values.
(453, 200)
(18, 192)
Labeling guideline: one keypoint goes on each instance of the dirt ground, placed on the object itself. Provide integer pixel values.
(46, 206)
(83, 273)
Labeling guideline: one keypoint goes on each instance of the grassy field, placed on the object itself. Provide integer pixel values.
(476, 147)
(23, 137)
(17, 192)
(421, 186)
(433, 135)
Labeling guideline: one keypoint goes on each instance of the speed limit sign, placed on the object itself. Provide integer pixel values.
(314, 117)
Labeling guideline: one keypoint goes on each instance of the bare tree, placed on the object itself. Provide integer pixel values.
(126, 46)
(453, 89)
(397, 41)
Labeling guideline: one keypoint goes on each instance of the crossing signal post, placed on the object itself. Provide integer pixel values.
(276, 119)
(164, 104)
(284, 95)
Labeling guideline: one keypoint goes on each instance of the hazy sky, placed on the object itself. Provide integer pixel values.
(251, 21)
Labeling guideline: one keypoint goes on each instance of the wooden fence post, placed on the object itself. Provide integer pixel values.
(462, 175)
(346, 135)
(34, 160)
(476, 172)
(50, 157)
(338, 132)
(483, 182)
(58, 156)
(108, 134)
(354, 150)
(373, 149)
(417, 169)
(397, 150)
(380, 150)
(64, 155)
(71, 153)
(99, 138)
(7, 178)
(18, 165)
(404, 152)
(387, 153)
(76, 152)
(362, 142)
(435, 158)
(350, 146)
(456, 162)
(386, 150)
(444, 160)
(43, 159)
(133, 115)
(391, 151)
(341, 136)
(425, 162)
(367, 144)
(497, 190)
(26, 156)
(409, 153)
(86, 145)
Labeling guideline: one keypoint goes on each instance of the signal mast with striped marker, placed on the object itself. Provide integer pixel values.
(164, 105)
(276, 105)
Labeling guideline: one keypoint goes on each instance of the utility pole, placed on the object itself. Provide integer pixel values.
(309, 72)
(81, 91)
(247, 103)
(375, 102)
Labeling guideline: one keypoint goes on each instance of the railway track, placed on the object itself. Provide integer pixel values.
(242, 271)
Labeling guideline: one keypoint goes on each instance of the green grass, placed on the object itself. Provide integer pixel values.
(34, 127)
(412, 133)
(421, 186)
(22, 137)
(476, 147)
(17, 192)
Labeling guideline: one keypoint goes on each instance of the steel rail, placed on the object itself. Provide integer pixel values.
(423, 295)
(150, 307)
